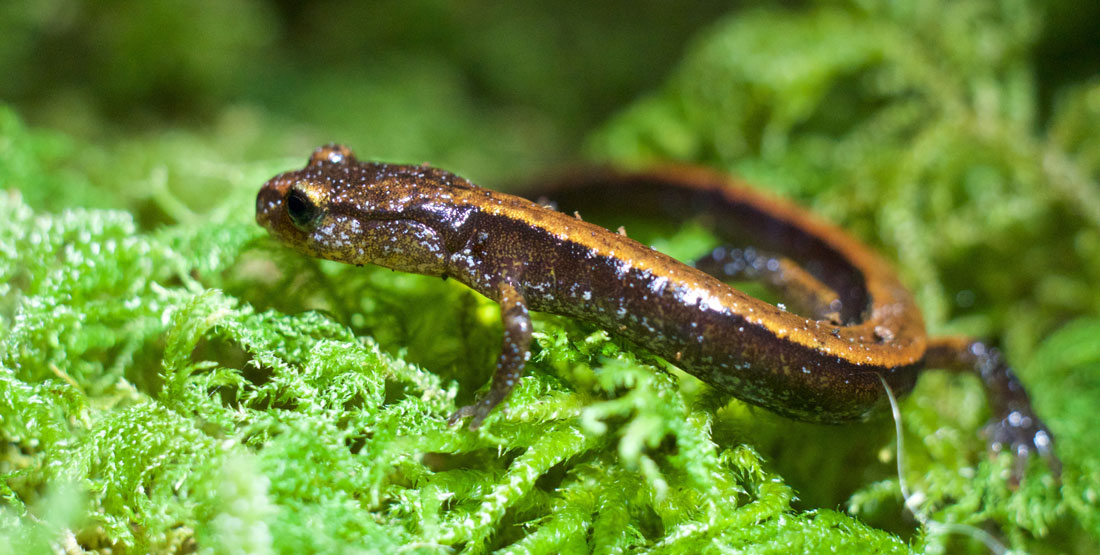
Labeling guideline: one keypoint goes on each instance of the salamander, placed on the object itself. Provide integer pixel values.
(861, 328)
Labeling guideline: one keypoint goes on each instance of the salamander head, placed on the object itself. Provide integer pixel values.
(359, 213)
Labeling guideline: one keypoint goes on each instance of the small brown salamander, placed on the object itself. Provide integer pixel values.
(863, 323)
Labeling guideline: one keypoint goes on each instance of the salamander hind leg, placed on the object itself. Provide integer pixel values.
(1014, 426)
(515, 351)
(781, 274)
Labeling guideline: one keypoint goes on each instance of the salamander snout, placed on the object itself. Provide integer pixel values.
(268, 203)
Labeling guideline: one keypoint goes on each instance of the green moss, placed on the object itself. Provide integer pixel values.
(173, 380)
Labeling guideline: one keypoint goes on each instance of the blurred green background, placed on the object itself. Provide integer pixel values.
(486, 87)
(958, 137)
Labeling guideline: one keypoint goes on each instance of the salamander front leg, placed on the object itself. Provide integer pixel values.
(1014, 426)
(514, 353)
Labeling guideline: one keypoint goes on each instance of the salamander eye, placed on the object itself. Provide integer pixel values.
(301, 209)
